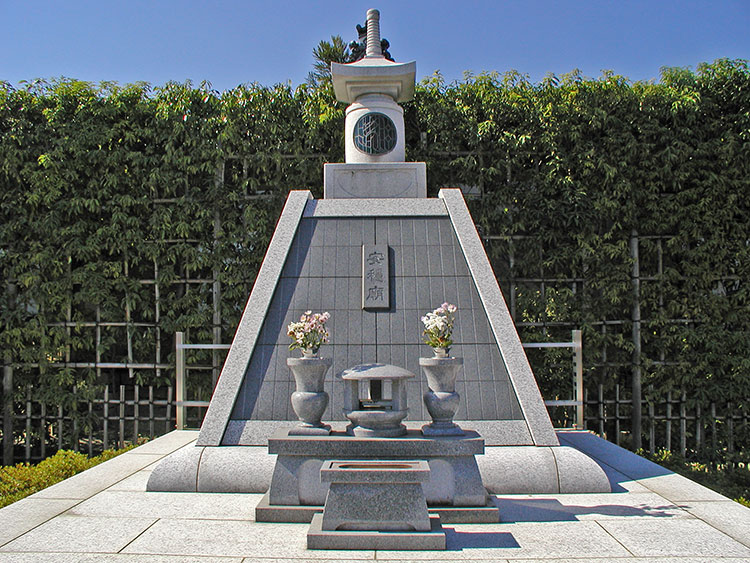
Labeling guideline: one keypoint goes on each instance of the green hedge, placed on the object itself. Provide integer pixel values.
(106, 189)
(21, 480)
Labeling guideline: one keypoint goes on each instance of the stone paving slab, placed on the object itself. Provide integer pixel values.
(46, 557)
(680, 489)
(26, 514)
(118, 521)
(99, 477)
(638, 560)
(730, 517)
(560, 508)
(653, 477)
(672, 538)
(206, 506)
(468, 542)
(81, 534)
(135, 483)
(233, 538)
(594, 560)
(168, 443)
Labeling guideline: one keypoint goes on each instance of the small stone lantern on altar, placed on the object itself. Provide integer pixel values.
(375, 399)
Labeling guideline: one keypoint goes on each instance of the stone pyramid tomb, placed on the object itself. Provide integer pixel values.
(376, 205)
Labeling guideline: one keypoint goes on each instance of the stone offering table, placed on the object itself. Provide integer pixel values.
(454, 489)
(375, 495)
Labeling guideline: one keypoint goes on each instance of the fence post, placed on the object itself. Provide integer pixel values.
(578, 347)
(27, 442)
(121, 413)
(180, 379)
(8, 437)
(636, 358)
(683, 424)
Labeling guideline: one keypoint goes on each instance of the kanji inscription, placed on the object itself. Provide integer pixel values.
(375, 277)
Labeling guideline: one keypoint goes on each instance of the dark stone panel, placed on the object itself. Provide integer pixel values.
(433, 238)
(414, 400)
(420, 232)
(282, 407)
(488, 404)
(473, 400)
(323, 273)
(312, 228)
(421, 260)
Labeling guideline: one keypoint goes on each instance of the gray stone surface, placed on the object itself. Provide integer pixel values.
(488, 514)
(381, 180)
(367, 76)
(254, 432)
(540, 528)
(99, 477)
(177, 472)
(653, 477)
(578, 473)
(559, 469)
(167, 443)
(140, 504)
(539, 541)
(375, 495)
(232, 538)
(47, 557)
(455, 479)
(390, 336)
(240, 469)
(318, 538)
(500, 432)
(505, 470)
(375, 207)
(503, 328)
(580, 507)
(224, 469)
(413, 445)
(730, 517)
(80, 533)
(678, 537)
(136, 482)
(26, 514)
(245, 338)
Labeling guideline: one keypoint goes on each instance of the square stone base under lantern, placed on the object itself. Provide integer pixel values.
(375, 180)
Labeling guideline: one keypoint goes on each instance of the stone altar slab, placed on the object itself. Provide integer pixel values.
(454, 476)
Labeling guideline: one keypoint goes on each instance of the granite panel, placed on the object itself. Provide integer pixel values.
(423, 246)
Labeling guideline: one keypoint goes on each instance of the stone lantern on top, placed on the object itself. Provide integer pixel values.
(373, 86)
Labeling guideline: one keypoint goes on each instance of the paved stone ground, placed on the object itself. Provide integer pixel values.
(104, 514)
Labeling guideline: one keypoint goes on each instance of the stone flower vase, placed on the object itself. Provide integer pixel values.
(309, 401)
(441, 400)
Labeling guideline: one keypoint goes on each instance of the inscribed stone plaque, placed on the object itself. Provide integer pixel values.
(375, 277)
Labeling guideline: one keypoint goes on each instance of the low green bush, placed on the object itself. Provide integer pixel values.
(731, 479)
(21, 480)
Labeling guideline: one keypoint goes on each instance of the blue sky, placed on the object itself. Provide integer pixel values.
(233, 42)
